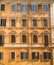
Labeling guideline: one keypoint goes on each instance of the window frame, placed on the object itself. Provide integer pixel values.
(15, 55)
(24, 58)
(10, 38)
(31, 7)
(26, 22)
(3, 56)
(37, 38)
(42, 8)
(24, 9)
(0, 7)
(48, 38)
(43, 23)
(36, 22)
(3, 24)
(47, 58)
(11, 22)
(26, 38)
(16, 8)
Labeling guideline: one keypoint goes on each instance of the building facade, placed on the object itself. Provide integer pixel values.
(52, 29)
(25, 32)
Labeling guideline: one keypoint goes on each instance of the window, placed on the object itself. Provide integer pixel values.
(45, 22)
(24, 22)
(24, 40)
(24, 8)
(24, 55)
(35, 38)
(47, 55)
(1, 55)
(46, 41)
(13, 22)
(12, 55)
(45, 7)
(2, 7)
(34, 23)
(34, 7)
(14, 7)
(3, 22)
(1, 40)
(35, 55)
(13, 40)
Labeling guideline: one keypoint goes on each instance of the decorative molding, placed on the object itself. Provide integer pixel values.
(37, 1)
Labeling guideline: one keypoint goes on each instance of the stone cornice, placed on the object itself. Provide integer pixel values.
(37, 1)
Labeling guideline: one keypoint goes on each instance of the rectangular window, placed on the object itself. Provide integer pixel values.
(12, 55)
(35, 55)
(34, 24)
(14, 7)
(47, 55)
(35, 38)
(45, 22)
(1, 40)
(2, 7)
(34, 7)
(3, 22)
(46, 41)
(24, 55)
(24, 22)
(1, 55)
(24, 39)
(13, 40)
(24, 8)
(13, 22)
(45, 7)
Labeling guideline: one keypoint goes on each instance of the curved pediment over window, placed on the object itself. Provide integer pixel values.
(13, 32)
(2, 32)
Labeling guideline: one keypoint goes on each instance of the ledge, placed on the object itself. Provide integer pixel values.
(38, 1)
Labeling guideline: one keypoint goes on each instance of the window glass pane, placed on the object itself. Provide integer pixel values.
(47, 55)
(24, 8)
(14, 7)
(34, 22)
(45, 8)
(12, 55)
(34, 8)
(24, 55)
(1, 55)
(35, 39)
(35, 55)
(2, 7)
(46, 41)
(2, 22)
(13, 23)
(23, 38)
(1, 40)
(13, 39)
(23, 22)
(45, 22)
